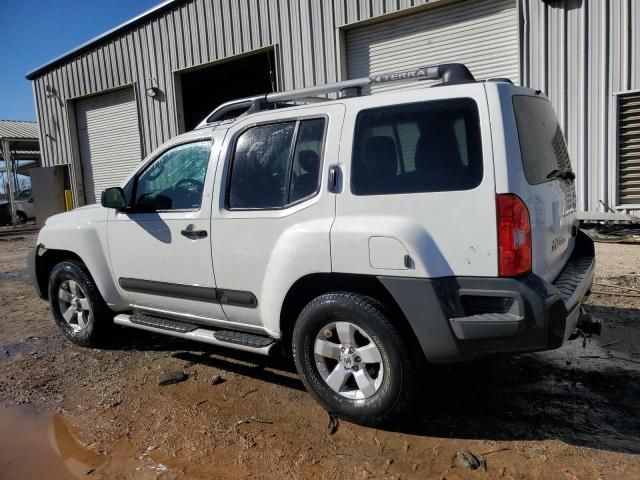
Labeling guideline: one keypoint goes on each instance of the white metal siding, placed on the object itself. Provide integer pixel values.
(109, 140)
(629, 149)
(581, 53)
(193, 33)
(482, 34)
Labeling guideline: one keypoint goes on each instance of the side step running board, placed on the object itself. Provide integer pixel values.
(164, 323)
(247, 342)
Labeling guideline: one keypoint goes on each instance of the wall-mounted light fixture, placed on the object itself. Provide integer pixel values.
(51, 92)
(153, 90)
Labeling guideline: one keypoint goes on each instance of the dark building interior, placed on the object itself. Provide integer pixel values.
(205, 88)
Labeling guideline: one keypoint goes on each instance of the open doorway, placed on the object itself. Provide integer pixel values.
(203, 89)
(19, 155)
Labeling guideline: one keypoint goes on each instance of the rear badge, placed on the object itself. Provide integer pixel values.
(557, 243)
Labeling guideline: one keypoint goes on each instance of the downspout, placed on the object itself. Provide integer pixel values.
(604, 110)
(525, 42)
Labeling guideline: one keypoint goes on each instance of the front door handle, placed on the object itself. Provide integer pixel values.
(189, 232)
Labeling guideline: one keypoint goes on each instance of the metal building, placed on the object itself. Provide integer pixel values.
(18, 153)
(111, 101)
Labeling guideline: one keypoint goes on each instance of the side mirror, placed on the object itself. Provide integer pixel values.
(113, 197)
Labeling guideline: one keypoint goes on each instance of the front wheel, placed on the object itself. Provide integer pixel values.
(77, 306)
(352, 359)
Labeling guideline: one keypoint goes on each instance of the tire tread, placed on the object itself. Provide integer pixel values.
(374, 309)
(102, 314)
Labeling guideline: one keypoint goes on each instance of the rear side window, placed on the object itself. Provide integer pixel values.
(421, 147)
(276, 165)
(542, 146)
(260, 166)
(305, 171)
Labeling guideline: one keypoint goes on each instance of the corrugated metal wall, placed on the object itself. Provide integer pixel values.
(194, 33)
(579, 51)
(482, 34)
(582, 52)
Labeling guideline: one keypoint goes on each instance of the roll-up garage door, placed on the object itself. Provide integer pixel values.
(109, 140)
(483, 34)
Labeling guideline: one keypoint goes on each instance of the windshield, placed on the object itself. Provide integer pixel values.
(542, 146)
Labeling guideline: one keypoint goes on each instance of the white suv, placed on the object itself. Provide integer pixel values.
(370, 234)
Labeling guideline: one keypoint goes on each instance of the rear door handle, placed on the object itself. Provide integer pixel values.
(334, 178)
(189, 232)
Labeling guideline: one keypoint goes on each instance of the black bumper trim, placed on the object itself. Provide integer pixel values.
(33, 272)
(448, 333)
(487, 325)
(574, 281)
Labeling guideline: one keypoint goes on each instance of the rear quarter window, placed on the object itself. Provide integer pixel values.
(420, 147)
(542, 146)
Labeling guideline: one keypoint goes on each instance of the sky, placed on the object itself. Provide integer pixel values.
(33, 32)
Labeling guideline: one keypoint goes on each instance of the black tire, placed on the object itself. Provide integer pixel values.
(98, 324)
(398, 383)
(22, 217)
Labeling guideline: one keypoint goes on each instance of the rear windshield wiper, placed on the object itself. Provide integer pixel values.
(566, 175)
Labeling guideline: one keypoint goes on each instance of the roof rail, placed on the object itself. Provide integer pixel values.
(449, 73)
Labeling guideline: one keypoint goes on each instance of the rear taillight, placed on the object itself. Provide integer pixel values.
(514, 236)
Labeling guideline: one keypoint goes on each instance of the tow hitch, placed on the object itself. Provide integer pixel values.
(586, 325)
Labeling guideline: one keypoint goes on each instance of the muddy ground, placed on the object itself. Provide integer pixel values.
(68, 412)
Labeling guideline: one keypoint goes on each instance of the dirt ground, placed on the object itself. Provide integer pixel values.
(71, 412)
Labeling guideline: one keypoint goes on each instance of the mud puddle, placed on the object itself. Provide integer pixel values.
(10, 352)
(9, 275)
(15, 351)
(36, 445)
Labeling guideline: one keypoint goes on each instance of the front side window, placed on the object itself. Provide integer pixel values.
(542, 146)
(175, 180)
(24, 195)
(276, 165)
(420, 147)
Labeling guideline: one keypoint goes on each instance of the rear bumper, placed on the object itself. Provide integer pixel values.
(460, 318)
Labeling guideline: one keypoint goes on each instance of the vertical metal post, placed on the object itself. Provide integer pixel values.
(6, 153)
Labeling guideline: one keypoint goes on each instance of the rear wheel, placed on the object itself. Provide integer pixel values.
(22, 217)
(77, 306)
(352, 359)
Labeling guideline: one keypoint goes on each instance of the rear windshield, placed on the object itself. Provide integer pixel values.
(542, 146)
(420, 147)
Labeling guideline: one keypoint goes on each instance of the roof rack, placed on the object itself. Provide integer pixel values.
(449, 73)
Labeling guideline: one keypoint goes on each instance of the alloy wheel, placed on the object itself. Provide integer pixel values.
(348, 360)
(74, 305)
